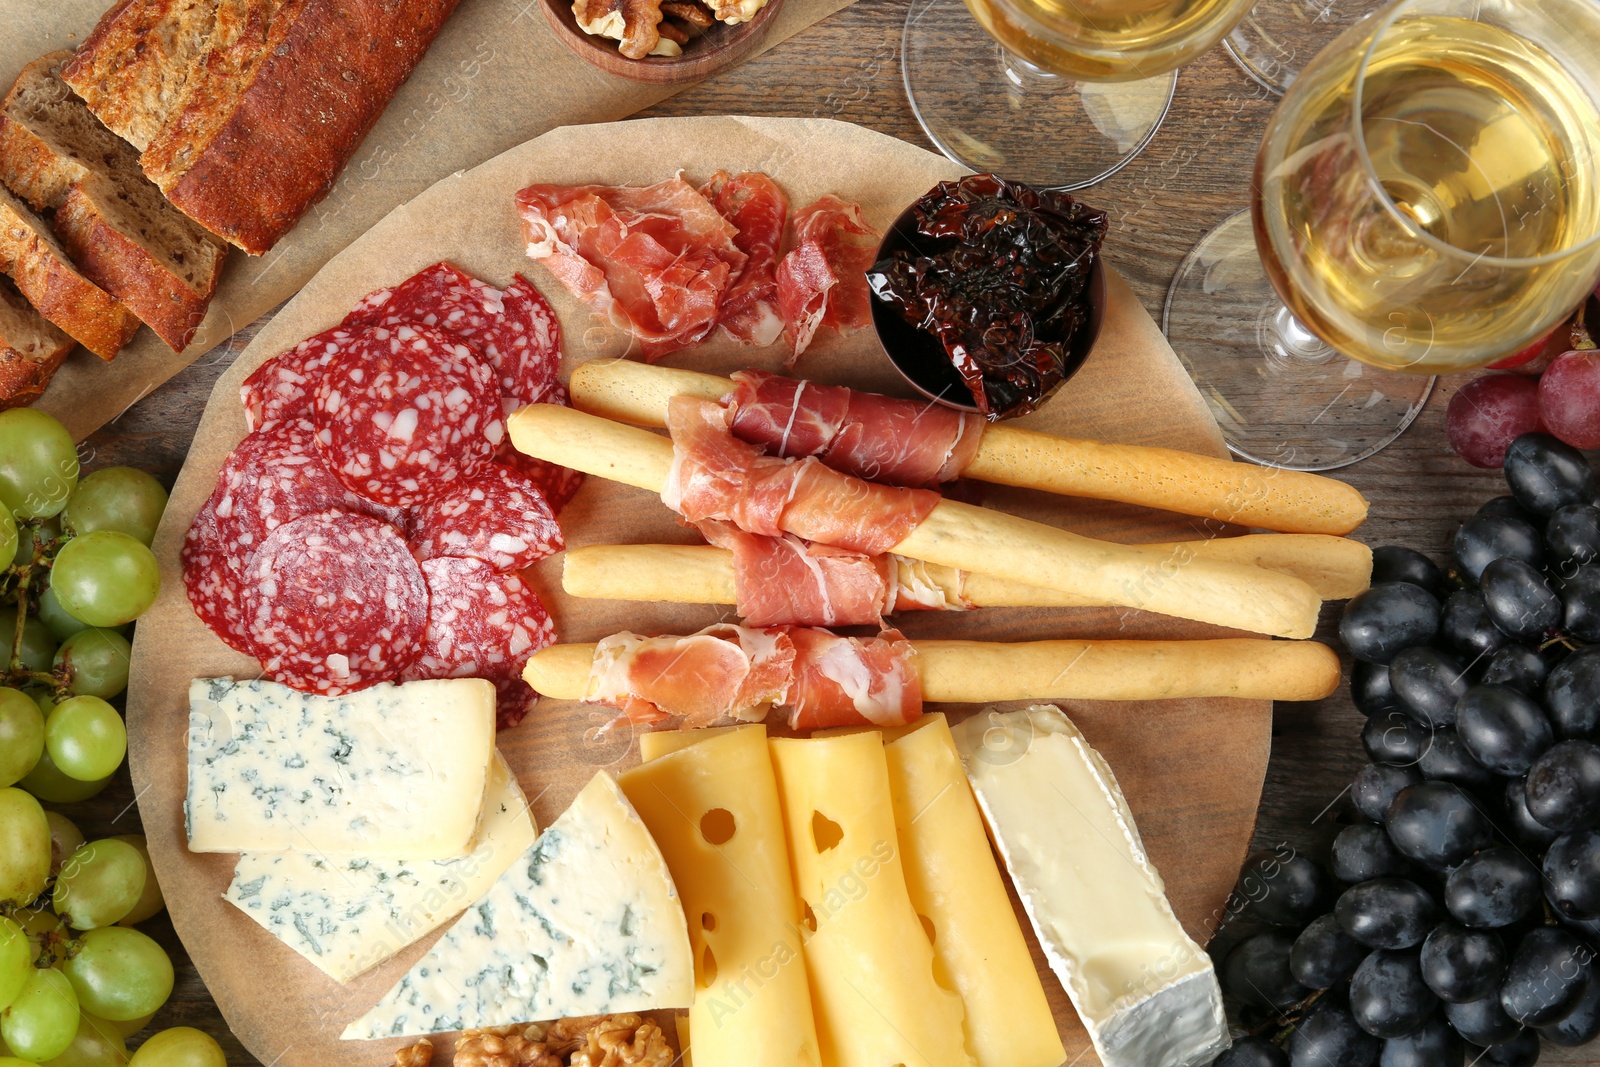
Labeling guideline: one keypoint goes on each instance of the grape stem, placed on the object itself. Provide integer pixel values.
(25, 574)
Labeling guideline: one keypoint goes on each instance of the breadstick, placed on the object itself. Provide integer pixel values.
(1336, 567)
(1164, 478)
(981, 672)
(979, 540)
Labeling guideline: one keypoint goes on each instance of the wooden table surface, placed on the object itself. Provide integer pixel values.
(1194, 174)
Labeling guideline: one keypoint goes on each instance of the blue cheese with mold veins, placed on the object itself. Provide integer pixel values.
(586, 922)
(347, 914)
(1147, 993)
(390, 771)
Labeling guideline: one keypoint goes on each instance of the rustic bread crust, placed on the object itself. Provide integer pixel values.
(31, 350)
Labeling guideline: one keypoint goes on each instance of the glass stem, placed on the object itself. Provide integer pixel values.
(1026, 75)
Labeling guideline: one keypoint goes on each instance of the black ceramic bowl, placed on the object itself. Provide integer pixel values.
(917, 354)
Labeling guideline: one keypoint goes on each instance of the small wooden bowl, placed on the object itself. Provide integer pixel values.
(717, 49)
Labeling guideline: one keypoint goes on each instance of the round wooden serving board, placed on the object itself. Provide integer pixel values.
(1192, 769)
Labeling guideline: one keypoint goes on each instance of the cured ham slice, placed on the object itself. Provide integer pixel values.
(822, 282)
(787, 581)
(758, 209)
(852, 681)
(656, 260)
(715, 475)
(879, 438)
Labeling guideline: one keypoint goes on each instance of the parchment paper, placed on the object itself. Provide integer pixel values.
(496, 76)
(1192, 769)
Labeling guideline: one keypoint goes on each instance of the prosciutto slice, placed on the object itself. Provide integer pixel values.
(879, 438)
(715, 475)
(823, 280)
(758, 209)
(656, 260)
(787, 581)
(852, 681)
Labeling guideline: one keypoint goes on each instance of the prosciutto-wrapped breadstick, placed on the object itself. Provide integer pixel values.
(782, 580)
(820, 680)
(704, 473)
(914, 443)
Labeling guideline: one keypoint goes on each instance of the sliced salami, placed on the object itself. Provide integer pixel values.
(559, 484)
(335, 602)
(213, 577)
(402, 413)
(482, 625)
(525, 345)
(282, 387)
(498, 515)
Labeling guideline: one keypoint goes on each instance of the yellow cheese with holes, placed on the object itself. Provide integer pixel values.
(956, 888)
(712, 807)
(658, 743)
(878, 1002)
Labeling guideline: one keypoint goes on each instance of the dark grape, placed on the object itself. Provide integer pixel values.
(1433, 1044)
(1379, 623)
(1580, 603)
(1504, 730)
(1519, 599)
(1467, 626)
(1482, 1022)
(1495, 888)
(1392, 563)
(1546, 474)
(1256, 972)
(1488, 413)
(1546, 977)
(1573, 536)
(1520, 1051)
(1388, 997)
(1387, 913)
(1483, 539)
(1437, 824)
(1582, 1023)
(1523, 825)
(1446, 759)
(1324, 955)
(1572, 875)
(1377, 784)
(1564, 786)
(1328, 1037)
(1572, 695)
(1428, 683)
(1505, 507)
(1252, 1052)
(1461, 965)
(1364, 852)
(1370, 689)
(1282, 890)
(1520, 667)
(1394, 737)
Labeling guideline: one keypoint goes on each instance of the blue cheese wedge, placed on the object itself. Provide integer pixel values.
(586, 922)
(347, 914)
(1147, 993)
(392, 771)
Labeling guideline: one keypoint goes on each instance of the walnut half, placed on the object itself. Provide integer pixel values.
(592, 1041)
(632, 22)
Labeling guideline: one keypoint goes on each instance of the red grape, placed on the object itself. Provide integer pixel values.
(1569, 398)
(1532, 352)
(1488, 413)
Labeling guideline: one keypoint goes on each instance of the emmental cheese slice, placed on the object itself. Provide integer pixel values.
(956, 889)
(347, 914)
(586, 922)
(390, 771)
(876, 998)
(713, 808)
(1145, 991)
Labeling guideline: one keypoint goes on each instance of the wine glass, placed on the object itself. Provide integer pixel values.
(1425, 200)
(1058, 93)
(1278, 37)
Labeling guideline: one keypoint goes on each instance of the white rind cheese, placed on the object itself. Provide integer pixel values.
(348, 914)
(1147, 993)
(586, 922)
(391, 771)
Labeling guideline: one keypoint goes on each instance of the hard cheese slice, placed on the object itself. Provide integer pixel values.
(586, 922)
(394, 770)
(348, 914)
(1145, 991)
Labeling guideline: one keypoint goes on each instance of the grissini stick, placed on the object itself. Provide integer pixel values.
(1291, 501)
(982, 672)
(974, 539)
(1336, 567)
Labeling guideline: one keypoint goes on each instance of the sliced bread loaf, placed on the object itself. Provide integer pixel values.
(31, 350)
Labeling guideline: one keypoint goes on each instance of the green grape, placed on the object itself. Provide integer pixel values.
(180, 1046)
(132, 1026)
(99, 884)
(24, 847)
(105, 578)
(99, 660)
(16, 959)
(38, 647)
(65, 839)
(21, 735)
(98, 1043)
(45, 699)
(38, 463)
(38, 533)
(117, 498)
(151, 900)
(8, 537)
(12, 1061)
(86, 738)
(120, 974)
(56, 618)
(42, 1021)
(47, 783)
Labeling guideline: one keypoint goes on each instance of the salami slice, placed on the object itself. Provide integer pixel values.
(525, 345)
(499, 516)
(482, 625)
(213, 577)
(335, 602)
(403, 412)
(282, 387)
(558, 484)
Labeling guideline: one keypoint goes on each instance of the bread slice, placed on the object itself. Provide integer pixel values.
(31, 350)
(45, 275)
(114, 223)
